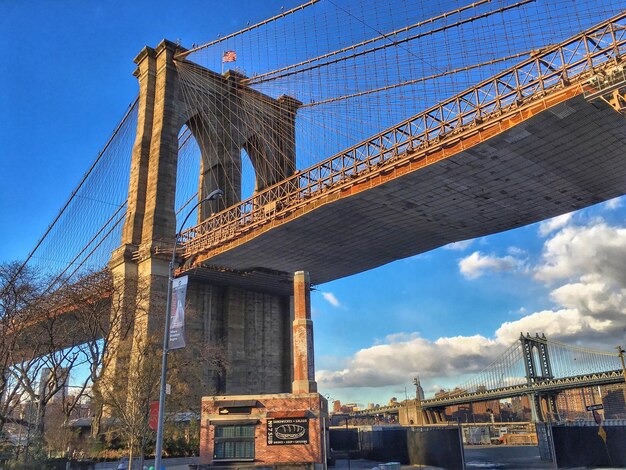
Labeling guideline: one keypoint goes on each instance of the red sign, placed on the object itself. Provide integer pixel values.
(154, 415)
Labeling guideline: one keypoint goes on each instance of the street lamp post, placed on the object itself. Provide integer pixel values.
(166, 334)
(620, 353)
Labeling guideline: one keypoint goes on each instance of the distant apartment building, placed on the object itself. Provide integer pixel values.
(347, 408)
(614, 401)
(510, 409)
(572, 404)
(48, 383)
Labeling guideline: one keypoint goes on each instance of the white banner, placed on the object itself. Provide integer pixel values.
(177, 313)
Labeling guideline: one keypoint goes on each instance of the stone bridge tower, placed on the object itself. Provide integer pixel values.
(247, 327)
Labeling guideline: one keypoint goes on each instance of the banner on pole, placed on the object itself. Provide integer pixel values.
(154, 415)
(177, 313)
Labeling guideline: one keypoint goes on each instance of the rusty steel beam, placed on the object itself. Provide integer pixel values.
(552, 76)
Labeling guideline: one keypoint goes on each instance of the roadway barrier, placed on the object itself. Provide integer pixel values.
(439, 446)
(589, 446)
(344, 440)
(384, 445)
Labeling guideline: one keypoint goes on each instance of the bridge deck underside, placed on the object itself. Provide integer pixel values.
(566, 158)
(59, 329)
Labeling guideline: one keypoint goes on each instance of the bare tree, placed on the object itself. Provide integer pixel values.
(44, 376)
(128, 395)
(45, 335)
(86, 323)
(196, 373)
(33, 361)
(102, 321)
(19, 288)
(43, 343)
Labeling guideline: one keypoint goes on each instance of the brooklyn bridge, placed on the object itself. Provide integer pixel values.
(335, 155)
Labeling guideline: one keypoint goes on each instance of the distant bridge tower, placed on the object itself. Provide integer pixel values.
(536, 357)
(538, 368)
(249, 322)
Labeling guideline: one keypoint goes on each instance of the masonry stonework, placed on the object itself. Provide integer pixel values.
(303, 355)
(243, 335)
(239, 340)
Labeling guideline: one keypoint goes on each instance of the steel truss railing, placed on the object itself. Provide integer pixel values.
(545, 386)
(570, 63)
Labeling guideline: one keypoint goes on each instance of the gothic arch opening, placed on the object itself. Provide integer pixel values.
(248, 176)
(199, 172)
(536, 361)
(246, 139)
(187, 172)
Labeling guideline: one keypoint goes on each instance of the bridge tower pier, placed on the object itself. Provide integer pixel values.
(536, 414)
(541, 413)
(538, 368)
(246, 326)
(303, 356)
(553, 409)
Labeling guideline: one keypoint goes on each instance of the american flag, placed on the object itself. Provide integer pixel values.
(229, 56)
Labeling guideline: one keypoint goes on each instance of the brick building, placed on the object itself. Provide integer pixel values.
(572, 404)
(264, 429)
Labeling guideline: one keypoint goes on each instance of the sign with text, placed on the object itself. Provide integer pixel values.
(177, 312)
(595, 407)
(287, 431)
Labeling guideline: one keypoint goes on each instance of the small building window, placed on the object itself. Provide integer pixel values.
(234, 442)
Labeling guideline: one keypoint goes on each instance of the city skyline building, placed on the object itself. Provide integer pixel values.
(47, 380)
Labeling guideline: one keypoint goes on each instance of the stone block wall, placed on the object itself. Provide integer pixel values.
(238, 341)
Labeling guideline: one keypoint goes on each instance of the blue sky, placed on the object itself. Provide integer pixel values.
(66, 80)
(447, 313)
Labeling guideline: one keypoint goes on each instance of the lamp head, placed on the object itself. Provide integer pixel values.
(218, 193)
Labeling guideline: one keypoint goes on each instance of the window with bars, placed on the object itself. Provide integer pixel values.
(234, 442)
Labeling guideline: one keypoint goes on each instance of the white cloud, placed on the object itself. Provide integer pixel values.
(432, 389)
(331, 299)
(548, 226)
(613, 204)
(459, 246)
(577, 250)
(590, 309)
(516, 251)
(406, 355)
(590, 301)
(551, 323)
(477, 264)
(521, 311)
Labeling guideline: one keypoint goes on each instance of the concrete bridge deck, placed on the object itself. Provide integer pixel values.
(567, 155)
